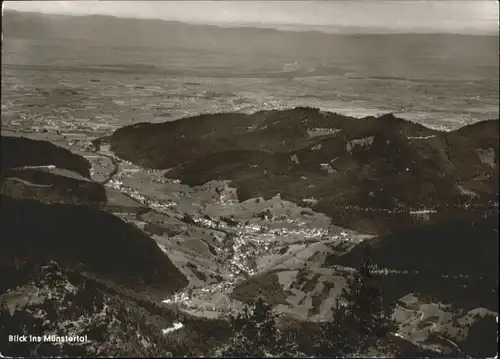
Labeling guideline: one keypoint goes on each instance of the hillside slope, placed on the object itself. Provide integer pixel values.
(51, 300)
(357, 171)
(454, 261)
(87, 239)
(48, 299)
(69, 268)
(53, 186)
(19, 152)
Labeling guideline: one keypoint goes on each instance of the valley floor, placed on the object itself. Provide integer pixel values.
(232, 251)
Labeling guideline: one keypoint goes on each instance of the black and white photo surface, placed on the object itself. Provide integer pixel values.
(249, 178)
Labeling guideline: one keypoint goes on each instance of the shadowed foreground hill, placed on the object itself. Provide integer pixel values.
(370, 174)
(50, 187)
(45, 298)
(453, 261)
(20, 151)
(76, 236)
(86, 239)
(68, 268)
(68, 182)
(49, 299)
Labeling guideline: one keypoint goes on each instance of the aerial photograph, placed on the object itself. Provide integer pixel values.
(249, 179)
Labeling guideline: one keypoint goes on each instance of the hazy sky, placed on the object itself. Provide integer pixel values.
(461, 16)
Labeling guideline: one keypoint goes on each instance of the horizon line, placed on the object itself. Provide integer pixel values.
(291, 27)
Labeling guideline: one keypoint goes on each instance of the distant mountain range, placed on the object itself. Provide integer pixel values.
(252, 26)
(243, 46)
(103, 27)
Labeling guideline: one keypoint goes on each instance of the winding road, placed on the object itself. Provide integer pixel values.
(431, 328)
(108, 177)
(111, 174)
(29, 184)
